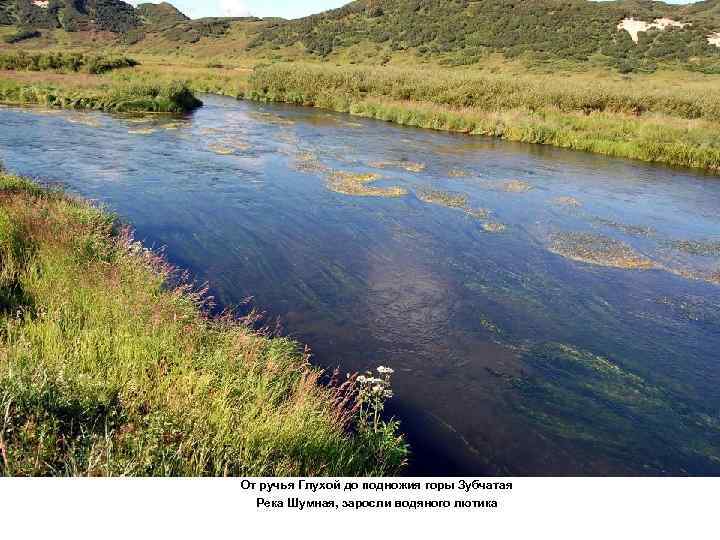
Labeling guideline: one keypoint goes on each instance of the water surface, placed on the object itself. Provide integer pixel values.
(546, 312)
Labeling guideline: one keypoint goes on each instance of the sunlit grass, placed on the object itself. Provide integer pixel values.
(174, 97)
(107, 368)
(674, 125)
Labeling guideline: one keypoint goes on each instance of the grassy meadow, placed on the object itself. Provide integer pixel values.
(109, 366)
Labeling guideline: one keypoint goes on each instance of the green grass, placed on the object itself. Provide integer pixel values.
(172, 97)
(106, 368)
(21, 35)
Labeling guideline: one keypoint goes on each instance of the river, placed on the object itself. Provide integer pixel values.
(545, 312)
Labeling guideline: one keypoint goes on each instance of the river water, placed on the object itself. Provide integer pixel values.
(546, 312)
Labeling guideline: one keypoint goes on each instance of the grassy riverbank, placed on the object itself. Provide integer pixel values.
(674, 126)
(666, 117)
(106, 368)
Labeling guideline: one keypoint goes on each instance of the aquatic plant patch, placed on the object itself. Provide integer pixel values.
(567, 201)
(359, 184)
(405, 165)
(516, 186)
(599, 250)
(591, 400)
(443, 198)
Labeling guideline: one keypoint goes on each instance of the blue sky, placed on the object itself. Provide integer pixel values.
(288, 9)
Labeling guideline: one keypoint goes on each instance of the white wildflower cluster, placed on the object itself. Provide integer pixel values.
(371, 386)
(373, 391)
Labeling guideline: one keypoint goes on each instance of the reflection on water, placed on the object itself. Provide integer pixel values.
(547, 312)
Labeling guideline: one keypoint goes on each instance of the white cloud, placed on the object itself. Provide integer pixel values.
(233, 8)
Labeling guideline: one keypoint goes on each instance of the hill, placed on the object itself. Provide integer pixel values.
(463, 31)
(70, 15)
(630, 35)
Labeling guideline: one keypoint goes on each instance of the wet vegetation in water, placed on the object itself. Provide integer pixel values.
(571, 202)
(516, 186)
(599, 250)
(443, 198)
(630, 230)
(409, 166)
(702, 248)
(458, 173)
(459, 201)
(595, 402)
(360, 185)
(491, 227)
(221, 149)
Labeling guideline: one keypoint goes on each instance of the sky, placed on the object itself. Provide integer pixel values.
(288, 9)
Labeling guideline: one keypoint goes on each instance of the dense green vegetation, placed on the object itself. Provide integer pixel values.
(193, 31)
(464, 32)
(71, 15)
(672, 127)
(108, 369)
(21, 35)
(173, 97)
(160, 15)
(450, 32)
(72, 62)
(484, 91)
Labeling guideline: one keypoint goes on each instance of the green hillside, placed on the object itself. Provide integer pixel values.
(449, 32)
(464, 32)
(70, 15)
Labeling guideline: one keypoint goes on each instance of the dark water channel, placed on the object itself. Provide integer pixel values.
(546, 312)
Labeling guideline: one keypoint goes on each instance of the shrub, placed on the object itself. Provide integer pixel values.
(64, 62)
(22, 35)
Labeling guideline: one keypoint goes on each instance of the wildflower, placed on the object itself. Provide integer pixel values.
(385, 370)
(388, 394)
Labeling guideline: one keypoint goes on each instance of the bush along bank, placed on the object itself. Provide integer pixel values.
(64, 62)
(108, 369)
(173, 97)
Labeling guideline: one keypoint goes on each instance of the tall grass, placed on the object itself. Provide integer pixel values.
(63, 61)
(108, 369)
(171, 97)
(664, 126)
(487, 92)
